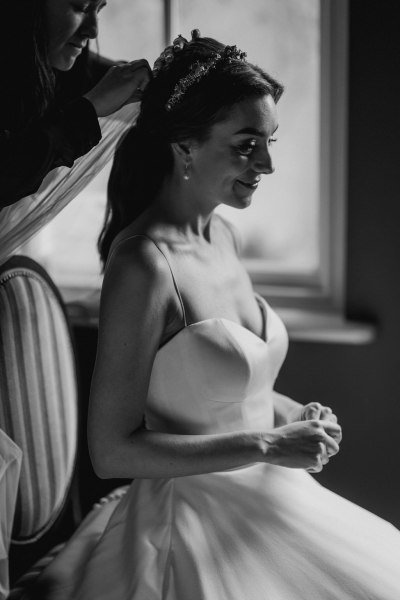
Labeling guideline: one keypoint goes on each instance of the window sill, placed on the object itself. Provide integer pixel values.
(303, 325)
(325, 327)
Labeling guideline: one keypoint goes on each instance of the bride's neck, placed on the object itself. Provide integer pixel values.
(178, 203)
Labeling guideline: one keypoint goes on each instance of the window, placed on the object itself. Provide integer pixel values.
(293, 233)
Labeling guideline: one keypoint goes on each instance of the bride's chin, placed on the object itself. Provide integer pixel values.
(239, 204)
(243, 201)
(242, 198)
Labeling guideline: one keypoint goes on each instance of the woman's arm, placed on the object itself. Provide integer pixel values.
(67, 131)
(58, 139)
(137, 299)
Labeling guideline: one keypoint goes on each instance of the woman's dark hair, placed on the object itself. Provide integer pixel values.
(28, 80)
(144, 156)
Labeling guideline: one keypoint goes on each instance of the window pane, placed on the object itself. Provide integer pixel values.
(280, 230)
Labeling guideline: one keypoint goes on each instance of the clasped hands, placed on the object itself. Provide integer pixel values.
(314, 411)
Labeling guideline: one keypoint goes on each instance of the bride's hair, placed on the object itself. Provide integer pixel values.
(144, 155)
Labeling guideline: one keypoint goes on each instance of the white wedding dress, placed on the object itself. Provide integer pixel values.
(260, 532)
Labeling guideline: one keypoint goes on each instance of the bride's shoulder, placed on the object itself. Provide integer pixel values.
(135, 256)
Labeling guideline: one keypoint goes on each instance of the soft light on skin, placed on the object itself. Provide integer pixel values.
(227, 167)
(70, 25)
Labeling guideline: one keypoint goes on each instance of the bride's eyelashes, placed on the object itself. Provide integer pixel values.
(247, 148)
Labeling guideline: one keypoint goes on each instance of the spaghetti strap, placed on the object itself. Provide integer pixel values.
(143, 235)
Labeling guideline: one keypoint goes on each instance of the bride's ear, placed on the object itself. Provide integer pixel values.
(182, 150)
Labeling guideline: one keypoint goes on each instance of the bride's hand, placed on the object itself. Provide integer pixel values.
(315, 410)
(301, 445)
(121, 85)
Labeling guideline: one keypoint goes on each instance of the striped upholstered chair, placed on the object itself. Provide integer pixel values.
(38, 401)
(38, 411)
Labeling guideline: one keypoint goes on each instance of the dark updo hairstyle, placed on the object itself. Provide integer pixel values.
(144, 156)
(28, 80)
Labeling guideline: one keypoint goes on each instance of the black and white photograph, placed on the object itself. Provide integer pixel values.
(199, 300)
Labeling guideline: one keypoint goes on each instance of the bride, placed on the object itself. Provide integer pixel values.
(222, 506)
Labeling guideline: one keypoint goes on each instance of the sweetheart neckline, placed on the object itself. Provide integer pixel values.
(265, 341)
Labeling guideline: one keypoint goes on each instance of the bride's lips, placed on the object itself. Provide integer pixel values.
(250, 185)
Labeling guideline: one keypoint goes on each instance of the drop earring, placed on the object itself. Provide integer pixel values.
(186, 170)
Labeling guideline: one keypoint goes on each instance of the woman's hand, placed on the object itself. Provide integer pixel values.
(302, 445)
(121, 85)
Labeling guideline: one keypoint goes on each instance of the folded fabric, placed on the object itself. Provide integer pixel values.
(19, 222)
(10, 466)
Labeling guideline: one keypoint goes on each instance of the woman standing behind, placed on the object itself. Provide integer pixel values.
(54, 89)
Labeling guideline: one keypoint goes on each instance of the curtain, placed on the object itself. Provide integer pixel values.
(22, 220)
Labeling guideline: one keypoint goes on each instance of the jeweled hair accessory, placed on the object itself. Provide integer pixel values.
(168, 55)
(200, 69)
(197, 71)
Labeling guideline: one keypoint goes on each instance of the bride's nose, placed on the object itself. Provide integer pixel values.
(263, 161)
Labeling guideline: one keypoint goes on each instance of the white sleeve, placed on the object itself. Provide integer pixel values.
(22, 220)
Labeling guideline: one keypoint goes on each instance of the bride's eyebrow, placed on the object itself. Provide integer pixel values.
(252, 131)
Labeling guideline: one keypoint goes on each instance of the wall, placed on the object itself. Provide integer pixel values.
(362, 383)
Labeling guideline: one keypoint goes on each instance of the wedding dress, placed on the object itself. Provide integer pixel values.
(259, 532)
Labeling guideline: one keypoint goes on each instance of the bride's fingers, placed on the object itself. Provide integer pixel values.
(333, 430)
(326, 413)
(315, 410)
(317, 466)
(312, 411)
(324, 454)
(330, 447)
(327, 434)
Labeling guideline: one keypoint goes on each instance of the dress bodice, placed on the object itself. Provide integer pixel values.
(216, 376)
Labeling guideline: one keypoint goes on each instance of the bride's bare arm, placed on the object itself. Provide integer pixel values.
(283, 408)
(137, 298)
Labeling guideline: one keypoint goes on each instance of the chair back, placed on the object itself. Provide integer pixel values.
(38, 394)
